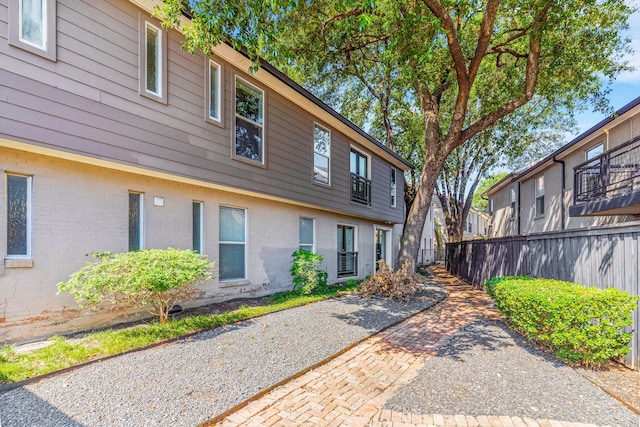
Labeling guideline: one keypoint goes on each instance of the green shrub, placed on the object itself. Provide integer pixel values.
(307, 277)
(581, 325)
(155, 279)
(351, 283)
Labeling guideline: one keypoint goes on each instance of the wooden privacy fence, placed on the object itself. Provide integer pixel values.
(602, 257)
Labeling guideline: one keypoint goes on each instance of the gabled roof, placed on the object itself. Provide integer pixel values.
(516, 175)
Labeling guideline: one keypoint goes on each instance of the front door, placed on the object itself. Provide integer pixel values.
(347, 256)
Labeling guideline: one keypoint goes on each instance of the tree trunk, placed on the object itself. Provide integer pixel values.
(410, 244)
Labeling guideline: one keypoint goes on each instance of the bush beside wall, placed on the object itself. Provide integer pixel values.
(581, 325)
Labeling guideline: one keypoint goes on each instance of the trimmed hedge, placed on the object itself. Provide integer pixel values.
(581, 325)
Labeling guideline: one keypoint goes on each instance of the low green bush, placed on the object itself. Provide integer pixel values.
(581, 325)
(307, 277)
(155, 279)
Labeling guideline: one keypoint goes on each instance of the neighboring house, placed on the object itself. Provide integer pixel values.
(594, 180)
(113, 138)
(476, 226)
(434, 235)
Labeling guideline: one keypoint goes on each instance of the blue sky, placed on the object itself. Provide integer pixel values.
(627, 85)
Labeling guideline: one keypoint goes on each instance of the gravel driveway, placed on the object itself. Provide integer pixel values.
(187, 382)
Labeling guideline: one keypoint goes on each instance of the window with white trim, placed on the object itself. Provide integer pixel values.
(214, 92)
(490, 206)
(512, 198)
(197, 227)
(232, 260)
(136, 221)
(32, 26)
(321, 154)
(594, 151)
(307, 234)
(18, 216)
(539, 196)
(393, 187)
(249, 121)
(153, 60)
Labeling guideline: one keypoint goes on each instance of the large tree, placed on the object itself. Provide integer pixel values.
(448, 55)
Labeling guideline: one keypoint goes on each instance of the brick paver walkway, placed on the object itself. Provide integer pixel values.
(351, 389)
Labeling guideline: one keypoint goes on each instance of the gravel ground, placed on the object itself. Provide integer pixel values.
(189, 381)
(487, 370)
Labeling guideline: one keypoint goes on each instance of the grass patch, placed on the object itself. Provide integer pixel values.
(63, 354)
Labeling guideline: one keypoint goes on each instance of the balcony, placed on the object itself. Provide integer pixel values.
(347, 264)
(360, 189)
(608, 184)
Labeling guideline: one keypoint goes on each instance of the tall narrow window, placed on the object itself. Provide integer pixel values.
(152, 70)
(490, 206)
(153, 61)
(214, 93)
(136, 221)
(393, 187)
(307, 234)
(360, 183)
(32, 26)
(197, 230)
(18, 216)
(540, 196)
(321, 154)
(232, 243)
(249, 122)
(512, 196)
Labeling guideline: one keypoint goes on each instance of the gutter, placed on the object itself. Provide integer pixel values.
(562, 207)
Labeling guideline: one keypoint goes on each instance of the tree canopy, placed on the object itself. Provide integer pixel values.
(460, 65)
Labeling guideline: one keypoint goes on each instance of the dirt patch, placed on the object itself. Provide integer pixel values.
(222, 307)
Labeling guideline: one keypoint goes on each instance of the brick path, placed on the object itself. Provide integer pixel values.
(351, 389)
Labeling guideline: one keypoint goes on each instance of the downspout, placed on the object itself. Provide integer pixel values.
(562, 208)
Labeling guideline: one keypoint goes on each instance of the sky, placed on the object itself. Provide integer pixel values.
(626, 86)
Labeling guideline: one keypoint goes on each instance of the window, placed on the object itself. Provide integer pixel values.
(540, 196)
(321, 154)
(197, 229)
(393, 187)
(347, 255)
(469, 226)
(153, 61)
(307, 234)
(18, 216)
(490, 206)
(512, 198)
(595, 151)
(32, 26)
(249, 117)
(214, 92)
(232, 243)
(360, 184)
(136, 221)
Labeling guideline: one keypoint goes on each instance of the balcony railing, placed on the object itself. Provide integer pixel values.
(611, 174)
(360, 189)
(347, 264)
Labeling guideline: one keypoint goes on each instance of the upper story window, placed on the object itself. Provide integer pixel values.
(214, 92)
(594, 151)
(321, 154)
(512, 204)
(153, 61)
(32, 26)
(490, 206)
(393, 187)
(540, 196)
(18, 216)
(360, 183)
(249, 122)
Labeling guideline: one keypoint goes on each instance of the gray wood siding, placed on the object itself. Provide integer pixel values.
(605, 257)
(87, 103)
